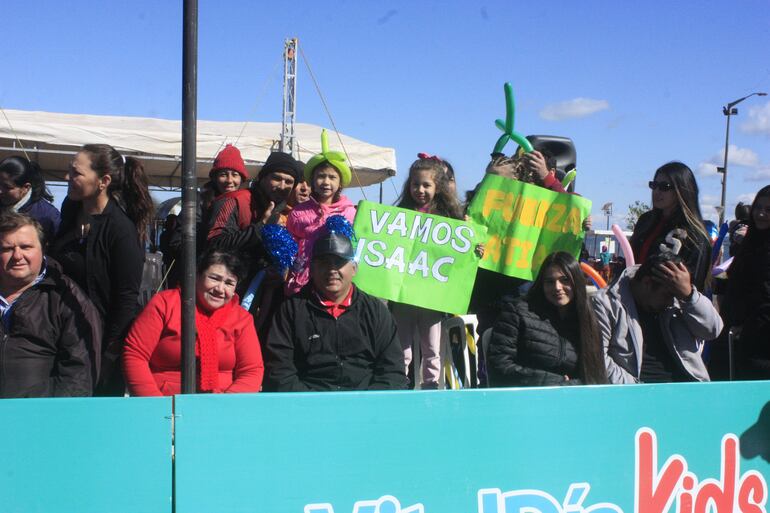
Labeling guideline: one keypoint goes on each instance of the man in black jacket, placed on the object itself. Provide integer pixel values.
(264, 203)
(50, 333)
(333, 336)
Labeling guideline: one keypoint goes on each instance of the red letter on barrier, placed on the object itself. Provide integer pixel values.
(752, 496)
(655, 491)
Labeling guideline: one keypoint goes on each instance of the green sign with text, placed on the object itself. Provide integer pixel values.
(525, 223)
(416, 258)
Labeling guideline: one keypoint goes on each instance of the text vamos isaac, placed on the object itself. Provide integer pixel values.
(669, 488)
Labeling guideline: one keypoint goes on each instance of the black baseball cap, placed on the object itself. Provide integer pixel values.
(334, 244)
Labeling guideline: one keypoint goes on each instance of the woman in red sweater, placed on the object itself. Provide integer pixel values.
(227, 348)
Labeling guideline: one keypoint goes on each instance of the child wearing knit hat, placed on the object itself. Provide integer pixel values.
(327, 173)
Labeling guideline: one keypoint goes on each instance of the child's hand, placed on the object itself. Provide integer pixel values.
(587, 223)
(479, 250)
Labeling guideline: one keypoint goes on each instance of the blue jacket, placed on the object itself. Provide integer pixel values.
(45, 214)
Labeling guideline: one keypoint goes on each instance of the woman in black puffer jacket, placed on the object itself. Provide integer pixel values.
(550, 337)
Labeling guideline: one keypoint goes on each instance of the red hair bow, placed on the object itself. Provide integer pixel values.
(429, 157)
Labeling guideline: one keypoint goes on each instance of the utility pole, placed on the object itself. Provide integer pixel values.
(189, 189)
(288, 137)
(607, 209)
(729, 110)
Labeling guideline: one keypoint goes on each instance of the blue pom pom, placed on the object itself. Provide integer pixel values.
(338, 224)
(280, 245)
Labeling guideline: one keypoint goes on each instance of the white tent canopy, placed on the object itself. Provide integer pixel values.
(52, 138)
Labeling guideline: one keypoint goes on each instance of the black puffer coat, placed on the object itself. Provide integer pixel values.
(532, 349)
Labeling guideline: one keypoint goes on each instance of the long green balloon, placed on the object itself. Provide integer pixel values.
(507, 126)
(510, 109)
(501, 142)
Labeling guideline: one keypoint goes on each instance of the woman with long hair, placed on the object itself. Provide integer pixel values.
(227, 348)
(101, 244)
(675, 214)
(550, 337)
(748, 292)
(23, 189)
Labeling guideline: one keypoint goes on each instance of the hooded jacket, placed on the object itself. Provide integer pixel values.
(306, 223)
(51, 346)
(684, 325)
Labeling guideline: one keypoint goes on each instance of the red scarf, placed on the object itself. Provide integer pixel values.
(206, 348)
(243, 199)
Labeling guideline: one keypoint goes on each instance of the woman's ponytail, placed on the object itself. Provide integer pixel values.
(135, 194)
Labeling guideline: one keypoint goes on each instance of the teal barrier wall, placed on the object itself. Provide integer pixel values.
(632, 449)
(85, 455)
(560, 450)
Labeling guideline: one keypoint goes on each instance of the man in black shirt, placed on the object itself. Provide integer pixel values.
(332, 335)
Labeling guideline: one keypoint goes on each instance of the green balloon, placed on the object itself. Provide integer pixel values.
(568, 178)
(507, 126)
(501, 142)
(510, 109)
(522, 141)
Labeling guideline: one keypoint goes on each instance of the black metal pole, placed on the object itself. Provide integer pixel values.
(189, 189)
(724, 169)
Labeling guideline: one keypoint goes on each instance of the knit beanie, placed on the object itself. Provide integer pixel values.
(282, 163)
(230, 158)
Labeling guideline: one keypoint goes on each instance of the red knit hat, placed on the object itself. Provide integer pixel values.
(230, 158)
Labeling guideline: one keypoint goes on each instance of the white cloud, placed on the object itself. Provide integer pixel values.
(760, 174)
(759, 120)
(739, 157)
(736, 156)
(575, 108)
(746, 198)
(706, 169)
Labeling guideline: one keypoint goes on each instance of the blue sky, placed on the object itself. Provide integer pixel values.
(633, 84)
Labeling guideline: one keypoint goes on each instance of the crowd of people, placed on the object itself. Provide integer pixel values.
(72, 324)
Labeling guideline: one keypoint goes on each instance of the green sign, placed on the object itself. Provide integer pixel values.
(416, 258)
(526, 223)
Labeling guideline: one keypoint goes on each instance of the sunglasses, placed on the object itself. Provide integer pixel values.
(663, 186)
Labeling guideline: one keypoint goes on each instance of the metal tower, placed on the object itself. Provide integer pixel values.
(288, 138)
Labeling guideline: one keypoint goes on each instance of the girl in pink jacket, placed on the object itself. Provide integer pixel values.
(327, 173)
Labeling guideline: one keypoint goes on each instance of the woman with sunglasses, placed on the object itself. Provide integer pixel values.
(748, 292)
(675, 214)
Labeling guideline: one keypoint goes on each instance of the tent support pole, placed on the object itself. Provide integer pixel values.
(189, 189)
